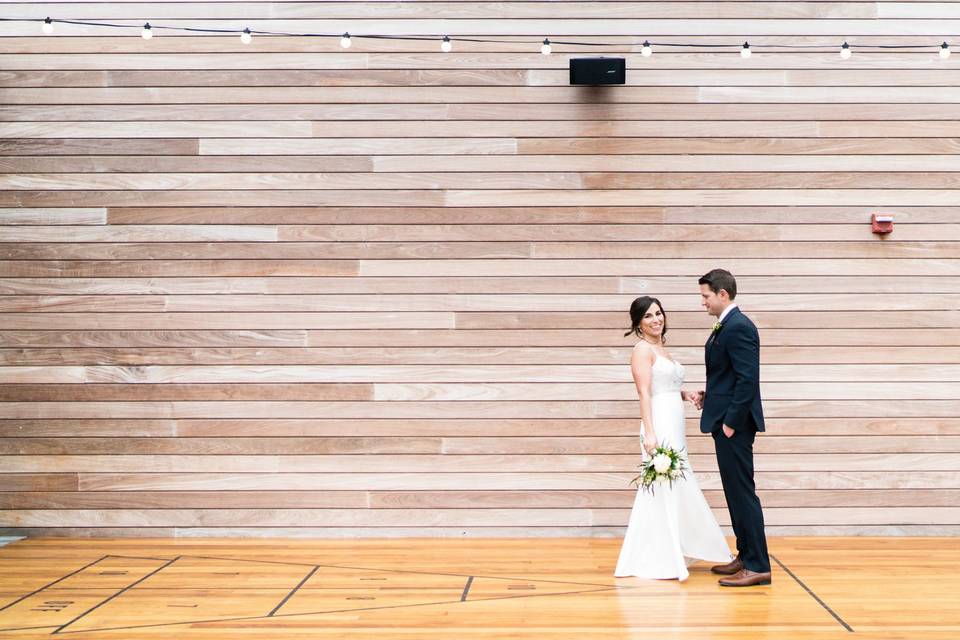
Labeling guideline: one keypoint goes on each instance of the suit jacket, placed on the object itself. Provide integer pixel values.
(733, 376)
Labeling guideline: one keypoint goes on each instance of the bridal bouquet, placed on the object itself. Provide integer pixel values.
(665, 466)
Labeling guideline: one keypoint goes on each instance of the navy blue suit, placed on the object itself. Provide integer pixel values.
(732, 398)
(733, 376)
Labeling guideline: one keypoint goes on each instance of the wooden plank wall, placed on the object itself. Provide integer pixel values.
(289, 289)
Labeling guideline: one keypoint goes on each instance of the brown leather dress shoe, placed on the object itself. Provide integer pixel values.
(746, 578)
(732, 567)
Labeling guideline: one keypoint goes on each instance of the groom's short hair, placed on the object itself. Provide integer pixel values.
(721, 279)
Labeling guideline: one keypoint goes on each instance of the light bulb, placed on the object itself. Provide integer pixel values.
(845, 51)
(647, 50)
(245, 36)
(47, 26)
(745, 50)
(944, 51)
(345, 41)
(446, 45)
(147, 32)
(546, 48)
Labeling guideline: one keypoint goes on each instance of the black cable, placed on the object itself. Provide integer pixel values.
(430, 38)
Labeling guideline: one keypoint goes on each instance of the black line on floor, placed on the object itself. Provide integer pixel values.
(72, 573)
(292, 564)
(126, 588)
(295, 589)
(167, 624)
(138, 558)
(546, 595)
(320, 613)
(424, 604)
(815, 596)
(466, 589)
(282, 615)
(410, 571)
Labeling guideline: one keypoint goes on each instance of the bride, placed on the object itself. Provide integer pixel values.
(673, 527)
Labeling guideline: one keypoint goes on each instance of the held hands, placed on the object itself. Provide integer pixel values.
(695, 398)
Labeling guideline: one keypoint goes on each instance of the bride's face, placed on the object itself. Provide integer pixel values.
(653, 321)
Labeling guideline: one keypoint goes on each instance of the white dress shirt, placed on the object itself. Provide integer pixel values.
(726, 312)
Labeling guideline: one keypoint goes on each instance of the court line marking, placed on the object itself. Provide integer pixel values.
(400, 606)
(46, 586)
(314, 568)
(139, 558)
(466, 589)
(126, 588)
(815, 596)
(318, 613)
(426, 573)
(295, 589)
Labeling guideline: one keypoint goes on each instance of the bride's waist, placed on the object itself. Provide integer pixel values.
(666, 392)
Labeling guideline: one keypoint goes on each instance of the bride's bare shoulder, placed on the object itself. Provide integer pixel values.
(643, 349)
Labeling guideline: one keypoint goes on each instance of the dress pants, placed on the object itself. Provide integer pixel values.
(735, 461)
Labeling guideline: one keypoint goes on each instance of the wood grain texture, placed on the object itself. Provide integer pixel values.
(290, 289)
(483, 584)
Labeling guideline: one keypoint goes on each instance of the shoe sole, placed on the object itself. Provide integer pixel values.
(755, 584)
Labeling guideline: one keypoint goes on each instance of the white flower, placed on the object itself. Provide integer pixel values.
(661, 462)
(674, 473)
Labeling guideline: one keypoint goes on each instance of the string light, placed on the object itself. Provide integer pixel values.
(446, 44)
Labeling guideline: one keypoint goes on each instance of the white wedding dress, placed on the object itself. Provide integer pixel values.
(674, 527)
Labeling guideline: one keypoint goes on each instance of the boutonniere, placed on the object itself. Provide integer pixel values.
(717, 326)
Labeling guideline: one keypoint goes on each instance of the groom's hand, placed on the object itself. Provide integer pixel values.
(727, 431)
(698, 400)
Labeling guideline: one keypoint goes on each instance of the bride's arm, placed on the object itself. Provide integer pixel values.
(641, 365)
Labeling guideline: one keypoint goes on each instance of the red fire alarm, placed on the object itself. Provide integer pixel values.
(882, 223)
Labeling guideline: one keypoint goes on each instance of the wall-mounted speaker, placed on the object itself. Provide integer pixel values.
(595, 71)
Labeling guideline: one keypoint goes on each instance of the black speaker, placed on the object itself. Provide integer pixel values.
(598, 70)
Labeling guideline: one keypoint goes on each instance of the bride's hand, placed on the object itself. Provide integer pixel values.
(649, 445)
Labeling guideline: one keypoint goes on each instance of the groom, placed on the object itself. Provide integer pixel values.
(733, 415)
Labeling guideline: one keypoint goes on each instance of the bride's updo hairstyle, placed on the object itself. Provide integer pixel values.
(638, 309)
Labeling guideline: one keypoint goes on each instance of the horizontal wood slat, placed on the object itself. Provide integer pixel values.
(593, 499)
(436, 517)
(515, 445)
(450, 427)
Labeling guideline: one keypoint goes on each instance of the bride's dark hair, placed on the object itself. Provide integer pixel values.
(638, 309)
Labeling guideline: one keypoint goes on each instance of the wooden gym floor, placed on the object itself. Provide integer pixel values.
(465, 588)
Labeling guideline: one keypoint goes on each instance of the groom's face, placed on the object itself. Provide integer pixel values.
(713, 302)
